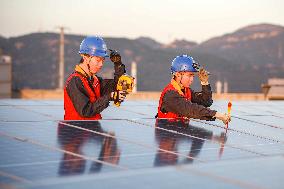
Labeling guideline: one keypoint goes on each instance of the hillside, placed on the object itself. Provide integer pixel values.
(245, 58)
(257, 44)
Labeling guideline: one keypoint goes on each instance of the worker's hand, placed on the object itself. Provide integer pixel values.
(118, 96)
(223, 117)
(203, 76)
(115, 56)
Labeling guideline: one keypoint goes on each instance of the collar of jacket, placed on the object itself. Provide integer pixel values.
(177, 86)
(83, 73)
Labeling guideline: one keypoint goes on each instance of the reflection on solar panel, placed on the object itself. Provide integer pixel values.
(129, 149)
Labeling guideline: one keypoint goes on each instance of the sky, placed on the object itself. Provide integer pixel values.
(162, 20)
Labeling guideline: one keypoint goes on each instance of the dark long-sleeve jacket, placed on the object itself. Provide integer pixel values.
(196, 108)
(79, 95)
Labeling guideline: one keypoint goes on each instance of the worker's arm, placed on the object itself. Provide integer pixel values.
(79, 97)
(174, 102)
(109, 85)
(204, 97)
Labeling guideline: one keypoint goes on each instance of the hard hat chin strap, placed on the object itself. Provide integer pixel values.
(89, 70)
(180, 80)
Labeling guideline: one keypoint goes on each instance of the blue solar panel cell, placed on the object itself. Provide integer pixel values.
(129, 148)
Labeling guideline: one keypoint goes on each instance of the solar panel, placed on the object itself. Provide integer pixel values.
(128, 148)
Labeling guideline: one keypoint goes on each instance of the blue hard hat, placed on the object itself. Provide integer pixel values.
(183, 63)
(93, 46)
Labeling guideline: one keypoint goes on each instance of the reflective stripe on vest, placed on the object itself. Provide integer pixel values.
(70, 111)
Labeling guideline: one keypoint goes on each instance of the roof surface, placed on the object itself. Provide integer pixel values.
(128, 150)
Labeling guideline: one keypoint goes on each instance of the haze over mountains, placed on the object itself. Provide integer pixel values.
(245, 58)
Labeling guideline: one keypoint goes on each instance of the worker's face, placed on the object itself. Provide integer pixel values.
(96, 63)
(186, 78)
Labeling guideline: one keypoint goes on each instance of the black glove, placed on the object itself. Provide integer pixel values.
(115, 56)
(203, 76)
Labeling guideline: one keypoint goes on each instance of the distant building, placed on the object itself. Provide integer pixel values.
(226, 87)
(218, 86)
(5, 76)
(274, 89)
(134, 74)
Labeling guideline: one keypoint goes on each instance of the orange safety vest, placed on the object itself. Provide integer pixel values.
(70, 111)
(171, 115)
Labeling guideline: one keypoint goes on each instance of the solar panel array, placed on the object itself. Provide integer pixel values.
(127, 149)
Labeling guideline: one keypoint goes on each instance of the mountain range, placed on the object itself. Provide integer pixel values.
(245, 58)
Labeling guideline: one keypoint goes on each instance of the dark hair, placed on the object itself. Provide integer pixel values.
(82, 60)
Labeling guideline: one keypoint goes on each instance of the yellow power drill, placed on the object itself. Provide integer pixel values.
(125, 83)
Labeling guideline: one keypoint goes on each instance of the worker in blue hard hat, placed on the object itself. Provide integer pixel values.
(85, 94)
(178, 102)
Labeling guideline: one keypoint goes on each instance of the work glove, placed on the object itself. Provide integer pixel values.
(203, 76)
(115, 56)
(225, 118)
(118, 96)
